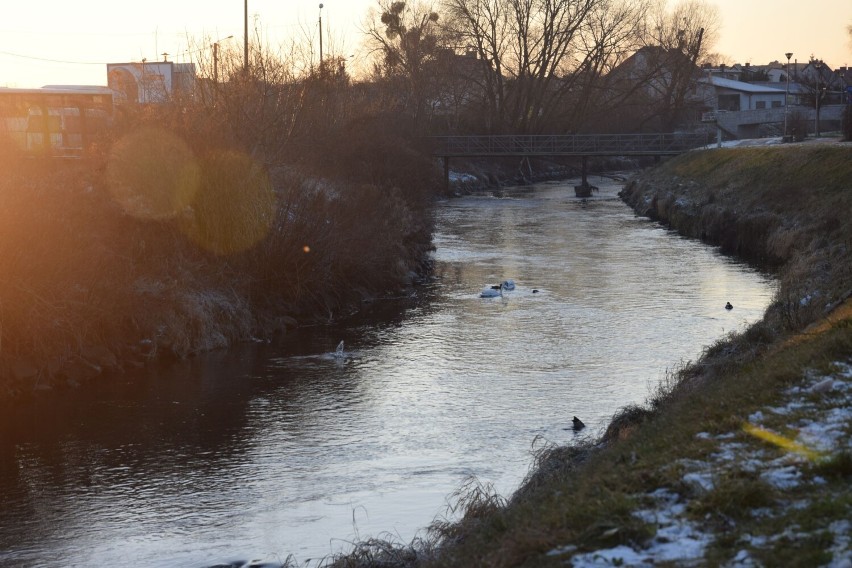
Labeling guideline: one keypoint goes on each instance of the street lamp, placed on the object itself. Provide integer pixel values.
(818, 68)
(789, 54)
(245, 36)
(320, 35)
(216, 59)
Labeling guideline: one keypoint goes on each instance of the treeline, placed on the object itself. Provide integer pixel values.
(542, 66)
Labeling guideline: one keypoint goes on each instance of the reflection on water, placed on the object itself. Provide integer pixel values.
(297, 447)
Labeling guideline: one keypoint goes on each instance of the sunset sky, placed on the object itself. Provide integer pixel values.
(59, 42)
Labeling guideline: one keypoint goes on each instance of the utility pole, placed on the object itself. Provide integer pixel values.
(245, 36)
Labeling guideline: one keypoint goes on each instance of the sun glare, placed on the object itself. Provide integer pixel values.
(153, 174)
(236, 206)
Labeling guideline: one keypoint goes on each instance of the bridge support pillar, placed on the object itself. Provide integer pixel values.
(447, 174)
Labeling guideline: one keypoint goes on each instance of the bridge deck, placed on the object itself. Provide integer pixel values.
(567, 145)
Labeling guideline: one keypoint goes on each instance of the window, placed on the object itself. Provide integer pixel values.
(729, 102)
(760, 105)
(776, 104)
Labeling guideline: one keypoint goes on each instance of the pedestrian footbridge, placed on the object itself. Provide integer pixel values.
(567, 145)
(580, 145)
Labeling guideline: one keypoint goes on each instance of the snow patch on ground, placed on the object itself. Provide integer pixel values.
(827, 401)
(458, 177)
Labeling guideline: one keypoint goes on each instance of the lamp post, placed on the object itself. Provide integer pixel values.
(818, 68)
(320, 35)
(789, 54)
(216, 59)
(245, 37)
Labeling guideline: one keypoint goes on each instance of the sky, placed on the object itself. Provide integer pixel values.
(57, 42)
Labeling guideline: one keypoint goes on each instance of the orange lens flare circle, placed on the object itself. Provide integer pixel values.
(153, 174)
(235, 206)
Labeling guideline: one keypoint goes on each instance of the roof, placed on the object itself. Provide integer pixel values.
(741, 86)
(59, 90)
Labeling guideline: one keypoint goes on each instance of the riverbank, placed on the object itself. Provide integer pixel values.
(741, 458)
(109, 263)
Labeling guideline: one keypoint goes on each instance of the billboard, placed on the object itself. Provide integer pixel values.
(142, 82)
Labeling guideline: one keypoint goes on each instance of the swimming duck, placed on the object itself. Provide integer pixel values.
(578, 424)
(728, 306)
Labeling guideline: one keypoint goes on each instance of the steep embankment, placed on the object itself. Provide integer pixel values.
(743, 457)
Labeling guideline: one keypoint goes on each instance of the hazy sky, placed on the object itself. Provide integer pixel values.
(64, 42)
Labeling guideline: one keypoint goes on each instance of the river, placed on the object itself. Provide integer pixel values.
(280, 448)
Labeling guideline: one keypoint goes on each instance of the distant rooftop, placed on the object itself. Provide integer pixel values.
(741, 86)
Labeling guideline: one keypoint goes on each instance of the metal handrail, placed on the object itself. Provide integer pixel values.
(567, 144)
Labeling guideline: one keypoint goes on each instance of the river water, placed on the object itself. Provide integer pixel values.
(282, 448)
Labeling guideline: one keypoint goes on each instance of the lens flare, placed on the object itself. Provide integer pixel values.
(153, 174)
(235, 207)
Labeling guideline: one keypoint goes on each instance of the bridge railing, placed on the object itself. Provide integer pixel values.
(568, 144)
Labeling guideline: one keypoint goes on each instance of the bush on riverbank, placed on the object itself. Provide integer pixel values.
(684, 479)
(190, 229)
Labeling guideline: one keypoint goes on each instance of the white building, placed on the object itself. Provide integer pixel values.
(730, 95)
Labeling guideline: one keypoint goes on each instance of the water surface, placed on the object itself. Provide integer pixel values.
(268, 450)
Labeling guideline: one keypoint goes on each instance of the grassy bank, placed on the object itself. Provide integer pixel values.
(743, 456)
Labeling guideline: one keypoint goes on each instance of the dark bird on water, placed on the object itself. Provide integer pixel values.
(578, 424)
(728, 306)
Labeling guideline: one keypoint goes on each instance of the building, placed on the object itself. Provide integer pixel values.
(731, 95)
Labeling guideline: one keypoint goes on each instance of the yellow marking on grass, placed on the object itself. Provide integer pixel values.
(782, 442)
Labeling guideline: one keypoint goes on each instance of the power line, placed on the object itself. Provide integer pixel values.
(51, 60)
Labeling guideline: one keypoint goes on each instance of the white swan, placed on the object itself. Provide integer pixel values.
(494, 291)
(339, 353)
(491, 292)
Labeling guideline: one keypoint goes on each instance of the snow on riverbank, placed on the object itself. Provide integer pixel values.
(818, 412)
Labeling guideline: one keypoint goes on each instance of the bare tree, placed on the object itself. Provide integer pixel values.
(522, 45)
(408, 40)
(613, 33)
(543, 62)
(679, 38)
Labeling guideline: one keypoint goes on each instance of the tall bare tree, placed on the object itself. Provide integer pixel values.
(408, 40)
(522, 45)
(542, 61)
(680, 37)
